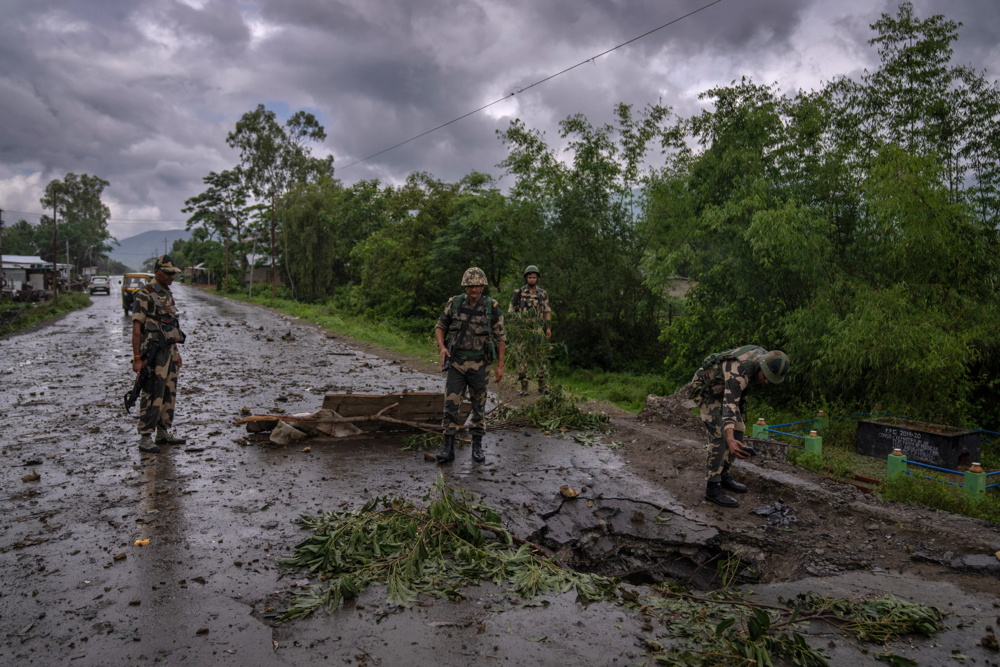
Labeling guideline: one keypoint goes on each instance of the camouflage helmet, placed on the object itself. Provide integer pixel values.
(775, 366)
(474, 277)
(532, 269)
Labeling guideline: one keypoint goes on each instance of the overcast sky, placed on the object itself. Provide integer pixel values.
(142, 93)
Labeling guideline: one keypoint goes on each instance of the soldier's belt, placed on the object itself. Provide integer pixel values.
(468, 354)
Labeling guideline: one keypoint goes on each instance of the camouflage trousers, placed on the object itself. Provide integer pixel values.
(719, 458)
(157, 404)
(541, 375)
(463, 373)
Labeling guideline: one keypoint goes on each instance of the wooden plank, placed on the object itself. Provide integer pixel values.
(417, 407)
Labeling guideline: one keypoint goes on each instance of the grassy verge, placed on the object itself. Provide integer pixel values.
(384, 334)
(16, 316)
(627, 391)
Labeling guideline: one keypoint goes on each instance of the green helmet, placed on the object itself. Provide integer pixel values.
(775, 366)
(474, 277)
(532, 269)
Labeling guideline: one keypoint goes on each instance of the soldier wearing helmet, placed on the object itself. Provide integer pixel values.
(532, 299)
(474, 326)
(719, 388)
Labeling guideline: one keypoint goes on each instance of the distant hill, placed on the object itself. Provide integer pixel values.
(132, 251)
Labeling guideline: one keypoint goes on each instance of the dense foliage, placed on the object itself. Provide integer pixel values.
(854, 226)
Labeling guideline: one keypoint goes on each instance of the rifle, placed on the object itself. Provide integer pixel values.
(149, 359)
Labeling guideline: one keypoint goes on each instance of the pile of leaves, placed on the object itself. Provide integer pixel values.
(730, 629)
(554, 411)
(455, 542)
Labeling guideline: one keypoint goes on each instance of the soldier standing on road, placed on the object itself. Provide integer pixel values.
(719, 388)
(154, 318)
(530, 298)
(475, 330)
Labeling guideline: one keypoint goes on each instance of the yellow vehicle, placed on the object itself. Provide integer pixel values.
(132, 283)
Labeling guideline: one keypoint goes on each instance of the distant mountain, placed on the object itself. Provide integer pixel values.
(132, 251)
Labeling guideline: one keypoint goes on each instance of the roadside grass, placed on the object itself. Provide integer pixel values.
(16, 316)
(627, 391)
(918, 491)
(384, 334)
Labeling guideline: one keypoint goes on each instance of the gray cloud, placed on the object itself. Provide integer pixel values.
(143, 93)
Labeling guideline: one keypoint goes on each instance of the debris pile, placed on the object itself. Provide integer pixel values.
(779, 515)
(674, 410)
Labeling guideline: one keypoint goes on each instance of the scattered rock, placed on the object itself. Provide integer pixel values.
(778, 515)
(978, 563)
(568, 492)
(33, 477)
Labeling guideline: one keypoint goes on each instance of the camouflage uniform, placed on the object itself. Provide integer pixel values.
(525, 301)
(154, 307)
(719, 388)
(468, 364)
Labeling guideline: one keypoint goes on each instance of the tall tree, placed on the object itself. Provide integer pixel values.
(273, 158)
(82, 220)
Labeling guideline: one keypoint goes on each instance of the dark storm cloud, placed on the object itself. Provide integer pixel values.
(143, 93)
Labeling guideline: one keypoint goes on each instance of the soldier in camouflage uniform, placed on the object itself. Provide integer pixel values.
(525, 300)
(154, 317)
(471, 332)
(719, 388)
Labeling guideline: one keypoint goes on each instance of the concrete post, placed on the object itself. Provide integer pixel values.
(814, 443)
(822, 421)
(878, 412)
(897, 463)
(975, 481)
(760, 429)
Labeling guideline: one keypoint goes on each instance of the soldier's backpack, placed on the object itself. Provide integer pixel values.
(491, 346)
(711, 373)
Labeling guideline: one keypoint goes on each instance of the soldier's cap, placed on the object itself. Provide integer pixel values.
(775, 366)
(165, 263)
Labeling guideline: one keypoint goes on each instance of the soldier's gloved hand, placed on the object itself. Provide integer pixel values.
(735, 446)
(137, 364)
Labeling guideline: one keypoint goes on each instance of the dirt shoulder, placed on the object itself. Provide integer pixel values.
(837, 529)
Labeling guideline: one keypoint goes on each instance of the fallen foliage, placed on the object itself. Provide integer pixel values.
(455, 542)
(551, 412)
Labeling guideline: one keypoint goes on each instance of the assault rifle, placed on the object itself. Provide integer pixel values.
(148, 368)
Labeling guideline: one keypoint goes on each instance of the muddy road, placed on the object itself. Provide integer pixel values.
(75, 588)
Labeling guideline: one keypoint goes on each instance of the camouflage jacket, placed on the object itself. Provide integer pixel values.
(727, 376)
(154, 307)
(473, 342)
(524, 300)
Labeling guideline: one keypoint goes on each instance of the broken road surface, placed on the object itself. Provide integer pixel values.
(76, 588)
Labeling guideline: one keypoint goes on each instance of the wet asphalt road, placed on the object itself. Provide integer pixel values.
(74, 589)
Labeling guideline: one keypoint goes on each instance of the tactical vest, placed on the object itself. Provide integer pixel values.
(164, 316)
(524, 300)
(709, 377)
(478, 337)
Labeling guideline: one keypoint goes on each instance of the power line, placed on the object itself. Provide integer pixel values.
(107, 219)
(536, 83)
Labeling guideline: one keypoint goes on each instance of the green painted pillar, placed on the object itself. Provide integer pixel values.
(822, 422)
(814, 443)
(975, 481)
(760, 429)
(878, 412)
(897, 463)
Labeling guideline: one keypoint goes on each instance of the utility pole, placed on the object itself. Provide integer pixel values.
(274, 274)
(55, 269)
(226, 223)
(3, 276)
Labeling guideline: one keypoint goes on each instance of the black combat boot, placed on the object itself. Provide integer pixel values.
(730, 484)
(477, 449)
(163, 437)
(449, 450)
(715, 494)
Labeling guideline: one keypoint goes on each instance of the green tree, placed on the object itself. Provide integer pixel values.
(82, 220)
(275, 157)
